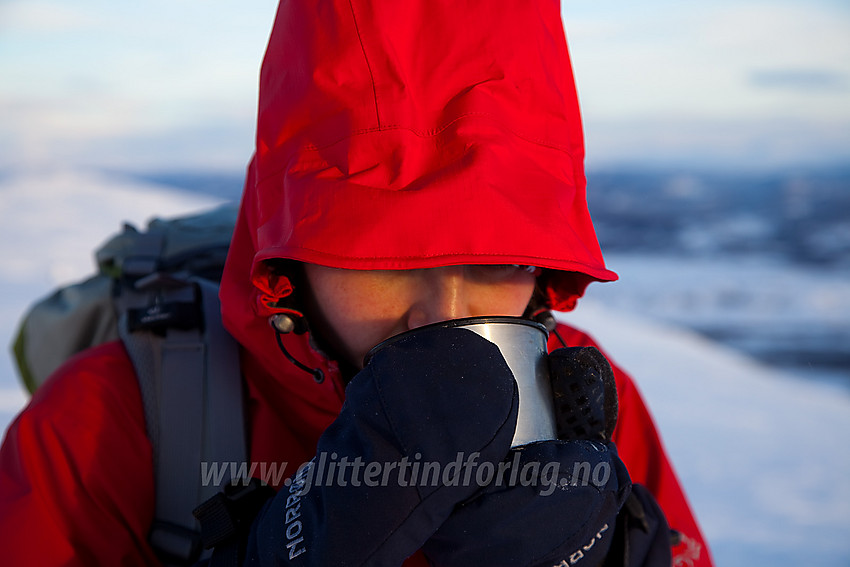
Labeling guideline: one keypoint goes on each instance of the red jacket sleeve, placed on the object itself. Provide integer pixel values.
(76, 481)
(643, 453)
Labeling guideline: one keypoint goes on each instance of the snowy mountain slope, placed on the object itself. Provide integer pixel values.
(50, 223)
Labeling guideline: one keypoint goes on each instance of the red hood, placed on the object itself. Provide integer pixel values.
(396, 135)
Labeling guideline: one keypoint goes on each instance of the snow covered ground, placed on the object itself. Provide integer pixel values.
(785, 314)
(50, 224)
(763, 455)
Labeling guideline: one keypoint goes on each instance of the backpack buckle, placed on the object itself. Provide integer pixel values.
(175, 304)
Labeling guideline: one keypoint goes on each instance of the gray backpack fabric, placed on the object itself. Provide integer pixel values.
(157, 291)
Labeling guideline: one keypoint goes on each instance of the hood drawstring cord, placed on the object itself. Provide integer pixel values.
(282, 325)
(545, 318)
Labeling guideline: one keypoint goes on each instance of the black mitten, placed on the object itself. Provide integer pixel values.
(586, 407)
(585, 394)
(642, 537)
(424, 410)
(561, 507)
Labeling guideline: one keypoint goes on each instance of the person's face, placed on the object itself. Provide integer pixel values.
(356, 309)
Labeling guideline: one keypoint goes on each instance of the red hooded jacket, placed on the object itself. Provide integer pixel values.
(391, 135)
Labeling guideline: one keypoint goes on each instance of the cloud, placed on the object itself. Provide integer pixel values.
(699, 59)
(44, 18)
(799, 79)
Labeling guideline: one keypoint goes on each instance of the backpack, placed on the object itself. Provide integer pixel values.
(157, 291)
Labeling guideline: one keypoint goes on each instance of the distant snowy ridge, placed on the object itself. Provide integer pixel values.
(785, 314)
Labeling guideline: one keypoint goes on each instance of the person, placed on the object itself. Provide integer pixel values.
(415, 162)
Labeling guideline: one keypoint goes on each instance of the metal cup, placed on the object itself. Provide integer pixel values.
(523, 345)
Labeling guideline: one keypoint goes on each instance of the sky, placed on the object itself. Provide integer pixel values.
(163, 85)
(740, 84)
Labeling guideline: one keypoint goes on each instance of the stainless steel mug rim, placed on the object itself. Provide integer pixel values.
(462, 322)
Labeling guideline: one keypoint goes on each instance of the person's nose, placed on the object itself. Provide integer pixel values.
(441, 294)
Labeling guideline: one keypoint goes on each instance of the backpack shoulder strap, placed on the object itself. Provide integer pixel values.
(191, 387)
(154, 290)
